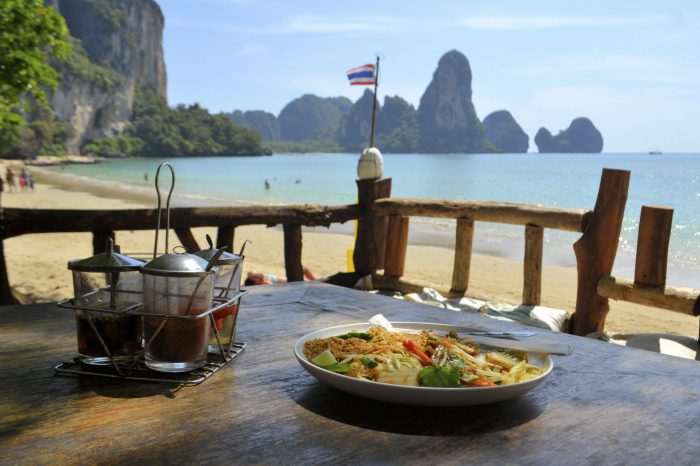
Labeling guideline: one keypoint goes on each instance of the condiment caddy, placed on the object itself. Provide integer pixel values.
(171, 319)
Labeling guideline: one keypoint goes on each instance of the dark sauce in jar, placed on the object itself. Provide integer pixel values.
(120, 333)
(180, 340)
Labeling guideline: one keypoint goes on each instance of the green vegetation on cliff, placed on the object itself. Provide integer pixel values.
(78, 64)
(184, 131)
(30, 33)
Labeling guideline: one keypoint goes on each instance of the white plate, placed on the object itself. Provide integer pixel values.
(420, 396)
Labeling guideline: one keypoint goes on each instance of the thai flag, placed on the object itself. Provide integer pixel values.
(361, 76)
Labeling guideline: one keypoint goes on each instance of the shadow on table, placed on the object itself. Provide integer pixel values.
(114, 388)
(416, 420)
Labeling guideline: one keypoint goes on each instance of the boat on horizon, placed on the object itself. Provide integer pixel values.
(655, 152)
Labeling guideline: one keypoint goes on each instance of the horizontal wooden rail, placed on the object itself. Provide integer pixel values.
(487, 211)
(23, 221)
(683, 300)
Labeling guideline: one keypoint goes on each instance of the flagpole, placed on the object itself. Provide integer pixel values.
(374, 103)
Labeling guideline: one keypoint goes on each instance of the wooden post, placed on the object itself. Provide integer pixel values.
(532, 265)
(652, 246)
(99, 240)
(595, 251)
(224, 237)
(396, 245)
(463, 256)
(292, 252)
(370, 243)
(187, 239)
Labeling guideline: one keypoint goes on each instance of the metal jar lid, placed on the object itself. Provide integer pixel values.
(226, 258)
(108, 261)
(177, 265)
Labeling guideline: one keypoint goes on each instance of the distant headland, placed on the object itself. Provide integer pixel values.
(111, 101)
(445, 122)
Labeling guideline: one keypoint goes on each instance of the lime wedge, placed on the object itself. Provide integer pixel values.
(325, 359)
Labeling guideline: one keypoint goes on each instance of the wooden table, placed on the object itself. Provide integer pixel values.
(602, 405)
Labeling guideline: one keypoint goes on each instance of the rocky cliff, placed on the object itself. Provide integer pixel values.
(580, 137)
(312, 117)
(395, 129)
(356, 124)
(118, 47)
(505, 133)
(263, 122)
(446, 115)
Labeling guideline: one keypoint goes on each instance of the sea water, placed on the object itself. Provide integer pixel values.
(557, 180)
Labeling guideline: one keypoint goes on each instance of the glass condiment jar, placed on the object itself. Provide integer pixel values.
(178, 290)
(105, 287)
(228, 269)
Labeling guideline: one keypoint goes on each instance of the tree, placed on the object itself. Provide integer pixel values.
(30, 33)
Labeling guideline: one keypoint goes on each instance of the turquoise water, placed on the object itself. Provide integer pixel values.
(562, 180)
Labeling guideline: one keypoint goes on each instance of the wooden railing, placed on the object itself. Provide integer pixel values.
(104, 223)
(595, 251)
(382, 240)
(534, 218)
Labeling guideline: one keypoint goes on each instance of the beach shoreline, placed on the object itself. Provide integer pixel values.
(496, 276)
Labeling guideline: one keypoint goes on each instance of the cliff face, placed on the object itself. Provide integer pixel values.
(580, 137)
(505, 133)
(312, 117)
(446, 116)
(119, 47)
(263, 122)
(356, 124)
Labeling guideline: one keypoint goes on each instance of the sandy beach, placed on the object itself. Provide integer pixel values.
(37, 263)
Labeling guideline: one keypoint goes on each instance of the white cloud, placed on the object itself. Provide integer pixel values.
(504, 23)
(637, 68)
(324, 24)
(298, 24)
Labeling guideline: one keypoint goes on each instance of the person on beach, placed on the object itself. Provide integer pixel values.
(30, 182)
(23, 180)
(145, 177)
(10, 179)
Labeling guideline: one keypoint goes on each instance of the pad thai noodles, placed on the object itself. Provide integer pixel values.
(423, 359)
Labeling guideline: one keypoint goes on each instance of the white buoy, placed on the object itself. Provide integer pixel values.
(371, 164)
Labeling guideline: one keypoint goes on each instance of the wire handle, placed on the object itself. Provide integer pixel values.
(167, 207)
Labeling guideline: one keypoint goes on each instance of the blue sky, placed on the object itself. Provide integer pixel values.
(633, 67)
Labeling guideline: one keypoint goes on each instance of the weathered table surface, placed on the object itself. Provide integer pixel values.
(602, 405)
